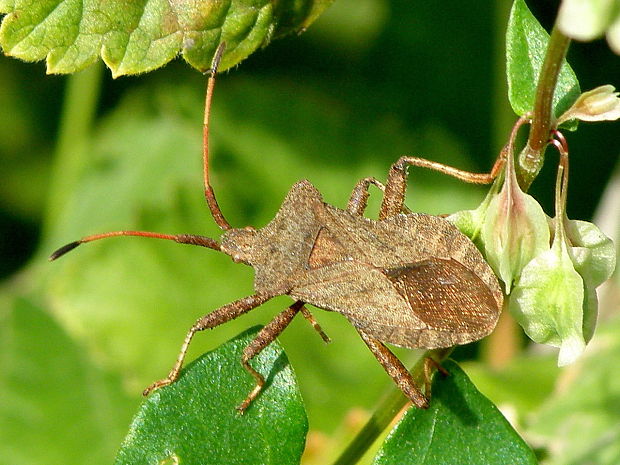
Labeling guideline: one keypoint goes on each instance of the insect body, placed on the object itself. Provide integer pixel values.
(413, 280)
(407, 279)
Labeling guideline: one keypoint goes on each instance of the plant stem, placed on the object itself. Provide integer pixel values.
(386, 411)
(532, 157)
(70, 157)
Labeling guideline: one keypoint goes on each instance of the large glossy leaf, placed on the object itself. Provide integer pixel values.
(526, 45)
(194, 421)
(461, 427)
(138, 36)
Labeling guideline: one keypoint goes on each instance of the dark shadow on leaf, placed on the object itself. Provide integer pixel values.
(278, 365)
(567, 100)
(451, 394)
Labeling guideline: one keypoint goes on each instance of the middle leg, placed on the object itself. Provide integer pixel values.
(358, 201)
(265, 337)
(359, 197)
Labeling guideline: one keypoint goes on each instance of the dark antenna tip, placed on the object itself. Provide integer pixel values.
(63, 250)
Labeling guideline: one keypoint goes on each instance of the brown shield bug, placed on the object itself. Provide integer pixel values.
(408, 279)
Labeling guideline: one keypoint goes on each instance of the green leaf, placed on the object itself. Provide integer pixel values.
(460, 427)
(194, 420)
(526, 45)
(54, 399)
(135, 37)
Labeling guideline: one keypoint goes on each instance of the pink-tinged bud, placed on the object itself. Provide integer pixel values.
(551, 289)
(600, 104)
(515, 230)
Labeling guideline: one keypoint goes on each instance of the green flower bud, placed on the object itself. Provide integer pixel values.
(547, 301)
(470, 222)
(554, 294)
(594, 258)
(593, 253)
(590, 19)
(555, 299)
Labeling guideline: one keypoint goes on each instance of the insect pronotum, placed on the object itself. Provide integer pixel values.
(407, 279)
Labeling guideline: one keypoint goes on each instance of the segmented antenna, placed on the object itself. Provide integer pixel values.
(209, 194)
(191, 239)
(180, 238)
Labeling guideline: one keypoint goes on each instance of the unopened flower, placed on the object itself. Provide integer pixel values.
(547, 301)
(514, 231)
(600, 104)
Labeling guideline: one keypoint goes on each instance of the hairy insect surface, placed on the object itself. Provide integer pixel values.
(408, 279)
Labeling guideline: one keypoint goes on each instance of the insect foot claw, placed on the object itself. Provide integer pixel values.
(156, 385)
(249, 399)
(442, 370)
(430, 364)
(242, 407)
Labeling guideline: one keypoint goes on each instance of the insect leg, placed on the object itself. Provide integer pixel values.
(396, 370)
(394, 194)
(359, 197)
(429, 365)
(317, 327)
(265, 337)
(217, 317)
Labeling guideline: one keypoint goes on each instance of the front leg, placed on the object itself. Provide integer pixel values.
(217, 317)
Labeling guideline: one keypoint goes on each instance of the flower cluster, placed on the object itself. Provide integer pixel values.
(549, 267)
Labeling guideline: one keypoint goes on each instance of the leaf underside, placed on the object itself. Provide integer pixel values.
(194, 421)
(461, 427)
(139, 36)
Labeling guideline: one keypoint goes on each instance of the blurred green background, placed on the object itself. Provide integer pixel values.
(372, 80)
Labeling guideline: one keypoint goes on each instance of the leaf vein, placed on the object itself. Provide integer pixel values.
(431, 437)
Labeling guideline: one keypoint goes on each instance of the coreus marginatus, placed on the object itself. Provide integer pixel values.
(408, 279)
